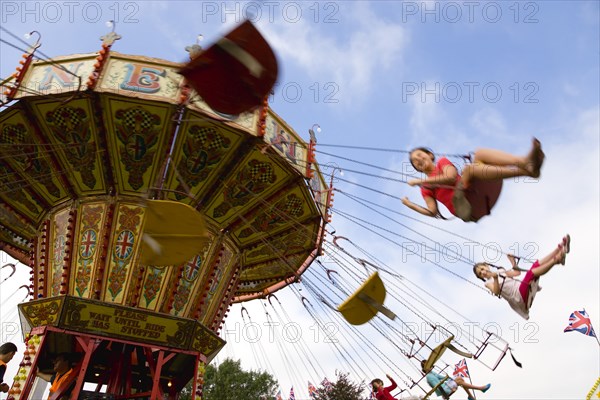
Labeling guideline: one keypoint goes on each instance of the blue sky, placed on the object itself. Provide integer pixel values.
(388, 74)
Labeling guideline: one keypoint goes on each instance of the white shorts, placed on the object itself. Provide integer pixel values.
(451, 385)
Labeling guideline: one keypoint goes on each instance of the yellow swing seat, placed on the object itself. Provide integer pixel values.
(173, 233)
(366, 302)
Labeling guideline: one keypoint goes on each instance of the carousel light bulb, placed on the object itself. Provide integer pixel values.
(170, 384)
(27, 35)
(109, 24)
(199, 38)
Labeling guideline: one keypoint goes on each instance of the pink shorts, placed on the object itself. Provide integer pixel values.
(524, 286)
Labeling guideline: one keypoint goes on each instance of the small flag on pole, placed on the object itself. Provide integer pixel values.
(312, 390)
(292, 396)
(461, 369)
(326, 384)
(279, 397)
(580, 321)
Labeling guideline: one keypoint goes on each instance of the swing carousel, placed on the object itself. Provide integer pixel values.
(145, 206)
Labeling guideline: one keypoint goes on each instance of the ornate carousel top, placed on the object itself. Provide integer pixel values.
(97, 148)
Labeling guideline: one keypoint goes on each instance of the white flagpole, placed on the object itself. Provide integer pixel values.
(470, 381)
(592, 327)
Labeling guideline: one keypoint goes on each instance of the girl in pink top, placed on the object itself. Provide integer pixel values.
(446, 185)
(520, 294)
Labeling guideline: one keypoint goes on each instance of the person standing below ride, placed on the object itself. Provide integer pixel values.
(444, 184)
(520, 294)
(7, 352)
(450, 385)
(63, 372)
(383, 393)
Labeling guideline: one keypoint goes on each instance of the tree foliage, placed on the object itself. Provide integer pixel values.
(342, 389)
(229, 381)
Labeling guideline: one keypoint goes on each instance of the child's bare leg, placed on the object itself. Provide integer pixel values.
(531, 163)
(550, 256)
(486, 172)
(547, 263)
(462, 383)
(499, 157)
(469, 394)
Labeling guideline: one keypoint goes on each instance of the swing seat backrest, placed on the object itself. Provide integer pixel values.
(236, 73)
(437, 353)
(482, 195)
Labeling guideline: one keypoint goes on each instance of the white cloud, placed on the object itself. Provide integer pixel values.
(489, 122)
(352, 60)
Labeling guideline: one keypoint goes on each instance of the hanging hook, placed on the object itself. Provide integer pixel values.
(335, 241)
(247, 313)
(329, 272)
(307, 301)
(269, 299)
(14, 269)
(38, 41)
(28, 290)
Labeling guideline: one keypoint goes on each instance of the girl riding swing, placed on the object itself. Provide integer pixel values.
(472, 195)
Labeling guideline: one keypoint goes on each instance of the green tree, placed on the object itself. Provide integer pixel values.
(342, 389)
(229, 381)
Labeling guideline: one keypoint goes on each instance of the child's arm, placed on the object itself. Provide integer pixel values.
(447, 177)
(393, 385)
(494, 286)
(512, 273)
(430, 211)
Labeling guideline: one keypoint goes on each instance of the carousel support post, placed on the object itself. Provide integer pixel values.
(156, 369)
(89, 345)
(115, 373)
(127, 365)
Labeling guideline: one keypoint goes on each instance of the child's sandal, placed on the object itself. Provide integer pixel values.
(566, 242)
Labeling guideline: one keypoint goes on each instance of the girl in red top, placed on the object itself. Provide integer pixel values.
(383, 393)
(444, 184)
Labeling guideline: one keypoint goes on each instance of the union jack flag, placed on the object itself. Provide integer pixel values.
(312, 390)
(326, 384)
(579, 321)
(292, 396)
(279, 397)
(461, 369)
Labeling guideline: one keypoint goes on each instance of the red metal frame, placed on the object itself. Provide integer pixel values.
(119, 383)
